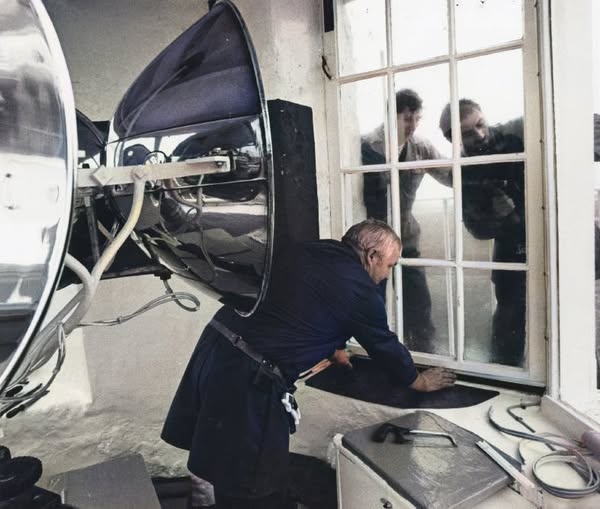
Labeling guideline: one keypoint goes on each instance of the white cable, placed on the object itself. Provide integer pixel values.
(163, 299)
(109, 253)
(31, 397)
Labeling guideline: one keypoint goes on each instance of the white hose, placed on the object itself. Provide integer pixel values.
(108, 254)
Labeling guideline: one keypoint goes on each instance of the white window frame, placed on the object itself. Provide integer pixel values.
(535, 372)
(572, 397)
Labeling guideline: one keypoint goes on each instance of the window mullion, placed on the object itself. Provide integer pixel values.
(456, 184)
(392, 144)
(551, 251)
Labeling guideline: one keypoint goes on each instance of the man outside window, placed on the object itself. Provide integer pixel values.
(493, 198)
(228, 409)
(419, 330)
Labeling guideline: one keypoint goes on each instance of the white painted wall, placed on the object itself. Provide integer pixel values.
(126, 376)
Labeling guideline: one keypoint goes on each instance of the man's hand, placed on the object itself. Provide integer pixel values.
(341, 359)
(433, 379)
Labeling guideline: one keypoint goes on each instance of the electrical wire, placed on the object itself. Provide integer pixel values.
(546, 438)
(178, 301)
(163, 299)
(579, 464)
(572, 454)
(107, 256)
(10, 404)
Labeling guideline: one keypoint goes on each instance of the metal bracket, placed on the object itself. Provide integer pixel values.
(521, 483)
(113, 175)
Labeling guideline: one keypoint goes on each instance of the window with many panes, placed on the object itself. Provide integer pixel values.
(438, 129)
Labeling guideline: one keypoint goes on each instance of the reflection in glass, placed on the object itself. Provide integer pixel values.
(428, 294)
(495, 313)
(430, 88)
(494, 208)
(483, 23)
(410, 42)
(491, 105)
(361, 30)
(363, 120)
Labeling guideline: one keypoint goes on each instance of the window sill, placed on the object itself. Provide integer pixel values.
(570, 420)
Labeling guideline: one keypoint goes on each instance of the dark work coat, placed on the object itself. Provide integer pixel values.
(234, 426)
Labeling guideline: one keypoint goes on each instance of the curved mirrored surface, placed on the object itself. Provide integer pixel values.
(206, 74)
(202, 97)
(37, 157)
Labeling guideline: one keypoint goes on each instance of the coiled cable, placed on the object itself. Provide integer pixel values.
(572, 453)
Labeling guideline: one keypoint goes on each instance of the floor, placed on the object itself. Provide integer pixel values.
(312, 486)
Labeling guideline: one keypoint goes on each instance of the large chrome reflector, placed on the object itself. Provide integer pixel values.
(37, 160)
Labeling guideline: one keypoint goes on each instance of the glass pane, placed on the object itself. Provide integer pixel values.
(367, 195)
(428, 294)
(410, 41)
(361, 33)
(427, 214)
(363, 122)
(493, 209)
(483, 23)
(491, 104)
(495, 316)
(421, 95)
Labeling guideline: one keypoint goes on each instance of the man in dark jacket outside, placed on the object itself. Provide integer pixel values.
(493, 207)
(228, 410)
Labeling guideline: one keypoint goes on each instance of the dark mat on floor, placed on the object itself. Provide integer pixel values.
(312, 484)
(368, 382)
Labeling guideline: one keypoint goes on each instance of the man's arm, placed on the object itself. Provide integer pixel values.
(426, 151)
(368, 324)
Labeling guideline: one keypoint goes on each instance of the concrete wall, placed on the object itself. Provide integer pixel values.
(114, 390)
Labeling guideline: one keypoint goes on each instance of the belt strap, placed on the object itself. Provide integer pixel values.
(237, 341)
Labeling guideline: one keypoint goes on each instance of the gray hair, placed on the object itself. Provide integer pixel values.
(370, 234)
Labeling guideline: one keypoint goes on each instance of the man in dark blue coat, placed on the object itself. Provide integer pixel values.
(228, 410)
